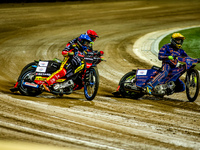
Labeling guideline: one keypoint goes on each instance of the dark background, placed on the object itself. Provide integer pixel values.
(32, 1)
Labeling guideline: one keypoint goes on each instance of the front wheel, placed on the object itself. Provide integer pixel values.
(91, 84)
(192, 84)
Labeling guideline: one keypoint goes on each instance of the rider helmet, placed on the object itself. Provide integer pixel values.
(84, 41)
(177, 40)
(92, 34)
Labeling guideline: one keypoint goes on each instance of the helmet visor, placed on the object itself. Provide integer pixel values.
(86, 43)
(179, 41)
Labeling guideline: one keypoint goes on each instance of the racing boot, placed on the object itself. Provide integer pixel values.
(52, 79)
(149, 88)
(117, 92)
(45, 86)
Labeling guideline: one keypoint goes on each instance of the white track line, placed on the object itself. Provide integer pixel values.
(147, 47)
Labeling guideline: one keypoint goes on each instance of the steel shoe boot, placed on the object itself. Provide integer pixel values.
(149, 89)
(45, 87)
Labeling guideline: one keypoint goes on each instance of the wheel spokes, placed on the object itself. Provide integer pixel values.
(91, 85)
(192, 84)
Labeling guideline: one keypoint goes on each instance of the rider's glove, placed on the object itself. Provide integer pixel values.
(170, 57)
(102, 58)
(198, 60)
(100, 53)
(71, 54)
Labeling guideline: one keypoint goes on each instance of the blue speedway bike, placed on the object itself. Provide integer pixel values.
(133, 83)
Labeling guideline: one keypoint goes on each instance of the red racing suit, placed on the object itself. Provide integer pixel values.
(168, 65)
(72, 46)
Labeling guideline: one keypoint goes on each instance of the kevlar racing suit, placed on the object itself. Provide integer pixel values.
(169, 65)
(70, 57)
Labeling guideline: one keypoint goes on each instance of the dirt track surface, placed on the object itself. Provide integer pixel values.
(40, 31)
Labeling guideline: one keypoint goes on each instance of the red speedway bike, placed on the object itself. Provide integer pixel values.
(85, 76)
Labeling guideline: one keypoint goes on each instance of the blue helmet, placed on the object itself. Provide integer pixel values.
(84, 41)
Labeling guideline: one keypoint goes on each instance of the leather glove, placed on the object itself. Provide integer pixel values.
(71, 54)
(170, 57)
(101, 53)
(102, 58)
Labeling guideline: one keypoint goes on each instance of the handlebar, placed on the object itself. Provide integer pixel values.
(92, 57)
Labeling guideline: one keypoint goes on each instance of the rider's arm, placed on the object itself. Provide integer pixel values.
(183, 53)
(67, 50)
(163, 53)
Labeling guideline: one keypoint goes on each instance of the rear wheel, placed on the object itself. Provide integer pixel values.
(192, 84)
(92, 84)
(29, 66)
(28, 76)
(127, 79)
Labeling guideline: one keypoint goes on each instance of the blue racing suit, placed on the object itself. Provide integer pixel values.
(169, 65)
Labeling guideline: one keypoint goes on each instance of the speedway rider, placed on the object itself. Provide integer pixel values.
(168, 54)
(80, 44)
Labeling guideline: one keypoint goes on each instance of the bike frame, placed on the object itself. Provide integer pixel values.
(143, 76)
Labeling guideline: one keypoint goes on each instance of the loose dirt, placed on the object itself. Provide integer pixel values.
(40, 31)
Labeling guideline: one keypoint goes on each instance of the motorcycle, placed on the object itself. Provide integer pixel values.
(133, 83)
(86, 76)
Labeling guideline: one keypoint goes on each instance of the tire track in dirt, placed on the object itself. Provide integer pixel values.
(107, 121)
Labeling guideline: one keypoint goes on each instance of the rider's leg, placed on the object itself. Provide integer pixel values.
(52, 79)
(157, 79)
(55, 76)
(180, 86)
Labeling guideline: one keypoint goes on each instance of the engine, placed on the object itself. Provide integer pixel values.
(61, 86)
(165, 89)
